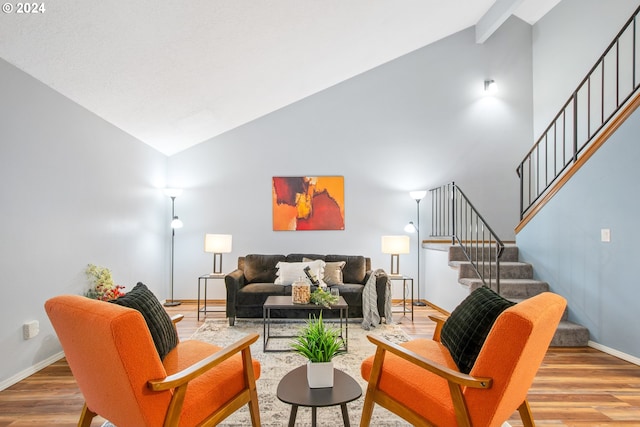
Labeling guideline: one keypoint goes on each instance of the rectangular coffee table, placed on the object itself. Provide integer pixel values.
(285, 303)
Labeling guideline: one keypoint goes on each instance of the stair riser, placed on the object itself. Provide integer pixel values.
(456, 253)
(570, 335)
(513, 271)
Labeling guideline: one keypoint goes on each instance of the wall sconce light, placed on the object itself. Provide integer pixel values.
(217, 244)
(490, 86)
(175, 223)
(395, 245)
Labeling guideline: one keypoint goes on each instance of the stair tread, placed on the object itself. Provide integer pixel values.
(514, 281)
(456, 264)
(568, 324)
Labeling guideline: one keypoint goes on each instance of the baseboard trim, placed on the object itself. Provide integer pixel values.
(210, 301)
(613, 352)
(437, 308)
(30, 371)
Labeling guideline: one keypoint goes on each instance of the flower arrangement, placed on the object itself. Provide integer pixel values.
(102, 286)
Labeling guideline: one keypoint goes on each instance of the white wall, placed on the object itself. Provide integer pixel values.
(415, 123)
(74, 190)
(441, 281)
(567, 42)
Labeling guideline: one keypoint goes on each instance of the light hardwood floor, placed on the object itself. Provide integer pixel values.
(575, 387)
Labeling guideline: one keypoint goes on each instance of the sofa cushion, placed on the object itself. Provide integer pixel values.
(289, 272)
(355, 269)
(466, 329)
(255, 294)
(261, 268)
(301, 257)
(158, 321)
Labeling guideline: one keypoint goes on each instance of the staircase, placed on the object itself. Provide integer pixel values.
(517, 284)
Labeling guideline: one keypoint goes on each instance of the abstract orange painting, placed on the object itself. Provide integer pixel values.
(308, 203)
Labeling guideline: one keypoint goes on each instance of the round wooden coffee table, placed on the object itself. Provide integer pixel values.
(294, 389)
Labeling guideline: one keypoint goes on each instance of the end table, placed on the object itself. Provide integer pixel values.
(406, 280)
(204, 308)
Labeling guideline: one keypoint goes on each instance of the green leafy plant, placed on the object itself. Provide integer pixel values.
(323, 298)
(317, 342)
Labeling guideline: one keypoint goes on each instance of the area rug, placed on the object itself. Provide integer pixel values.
(274, 366)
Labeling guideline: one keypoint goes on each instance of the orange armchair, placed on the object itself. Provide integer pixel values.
(112, 356)
(420, 382)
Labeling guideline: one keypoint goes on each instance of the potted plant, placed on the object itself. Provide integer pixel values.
(319, 345)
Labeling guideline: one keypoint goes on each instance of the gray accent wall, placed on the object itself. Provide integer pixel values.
(414, 123)
(599, 279)
(74, 190)
(563, 240)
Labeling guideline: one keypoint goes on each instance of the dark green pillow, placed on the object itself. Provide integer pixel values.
(160, 325)
(466, 329)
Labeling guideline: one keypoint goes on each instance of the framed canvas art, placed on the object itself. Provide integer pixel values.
(308, 202)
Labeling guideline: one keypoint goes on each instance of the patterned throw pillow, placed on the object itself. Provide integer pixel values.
(160, 325)
(466, 329)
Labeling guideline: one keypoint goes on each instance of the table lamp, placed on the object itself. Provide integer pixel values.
(395, 245)
(217, 244)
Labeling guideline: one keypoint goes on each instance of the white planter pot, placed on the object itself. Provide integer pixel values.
(320, 375)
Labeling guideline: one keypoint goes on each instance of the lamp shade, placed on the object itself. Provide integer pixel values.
(217, 243)
(418, 195)
(172, 192)
(410, 228)
(176, 222)
(395, 244)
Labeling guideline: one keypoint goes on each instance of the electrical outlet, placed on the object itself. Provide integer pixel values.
(30, 329)
(605, 235)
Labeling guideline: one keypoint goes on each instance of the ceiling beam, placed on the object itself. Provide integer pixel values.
(494, 18)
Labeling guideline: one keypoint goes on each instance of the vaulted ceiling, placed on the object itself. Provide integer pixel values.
(176, 73)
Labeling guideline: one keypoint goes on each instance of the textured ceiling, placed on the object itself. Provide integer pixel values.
(176, 73)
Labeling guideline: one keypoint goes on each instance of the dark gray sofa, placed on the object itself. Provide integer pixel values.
(253, 281)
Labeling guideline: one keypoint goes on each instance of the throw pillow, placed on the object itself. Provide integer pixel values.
(355, 270)
(160, 325)
(289, 272)
(332, 272)
(466, 329)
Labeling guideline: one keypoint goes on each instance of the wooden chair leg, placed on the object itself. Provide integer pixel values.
(525, 414)
(374, 379)
(367, 410)
(86, 416)
(250, 381)
(254, 410)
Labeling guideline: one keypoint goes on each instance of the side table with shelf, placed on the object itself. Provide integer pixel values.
(405, 281)
(204, 308)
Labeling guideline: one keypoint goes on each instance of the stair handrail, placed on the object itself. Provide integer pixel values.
(455, 217)
(560, 145)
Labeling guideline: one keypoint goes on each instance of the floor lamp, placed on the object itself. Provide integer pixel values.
(411, 227)
(175, 223)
